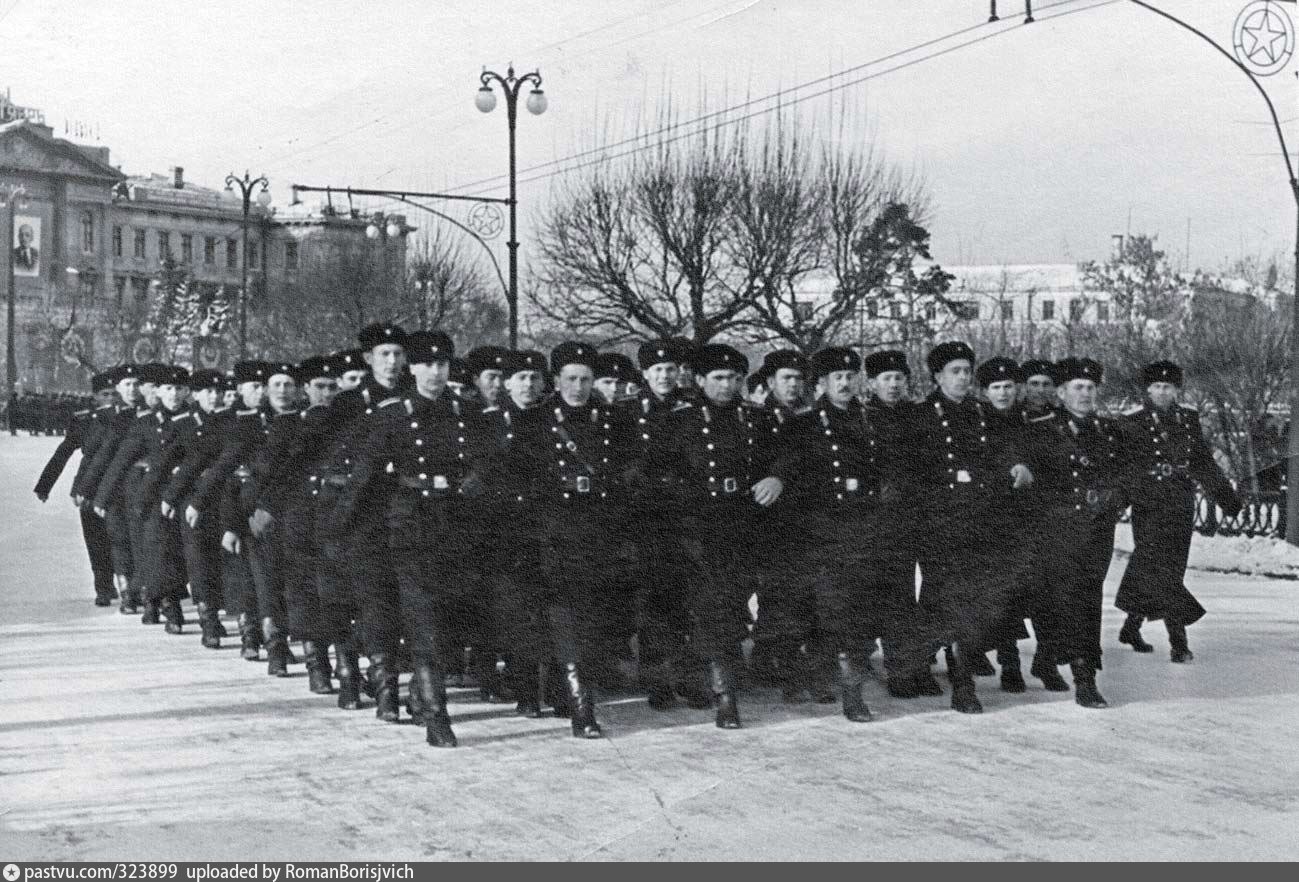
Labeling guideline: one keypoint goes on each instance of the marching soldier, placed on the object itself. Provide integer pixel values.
(82, 433)
(284, 513)
(1081, 469)
(120, 485)
(577, 456)
(355, 570)
(201, 547)
(415, 465)
(957, 474)
(214, 501)
(786, 606)
(722, 475)
(1172, 456)
(906, 644)
(666, 665)
(510, 530)
(850, 550)
(113, 428)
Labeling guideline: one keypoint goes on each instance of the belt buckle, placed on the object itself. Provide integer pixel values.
(1093, 497)
(730, 485)
(851, 485)
(583, 484)
(1166, 469)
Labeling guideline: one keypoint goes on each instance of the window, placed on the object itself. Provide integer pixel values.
(931, 311)
(1048, 310)
(164, 246)
(895, 310)
(186, 248)
(119, 291)
(291, 255)
(1077, 307)
(232, 254)
(139, 244)
(209, 250)
(966, 310)
(1102, 312)
(872, 309)
(88, 285)
(1007, 310)
(251, 258)
(117, 241)
(87, 232)
(140, 287)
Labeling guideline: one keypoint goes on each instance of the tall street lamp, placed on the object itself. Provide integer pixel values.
(11, 200)
(246, 185)
(1292, 460)
(485, 101)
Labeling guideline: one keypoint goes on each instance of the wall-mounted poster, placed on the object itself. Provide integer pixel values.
(27, 246)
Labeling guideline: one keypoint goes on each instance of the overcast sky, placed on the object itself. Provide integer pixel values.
(1038, 143)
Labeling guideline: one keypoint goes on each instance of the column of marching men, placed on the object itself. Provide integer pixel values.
(543, 515)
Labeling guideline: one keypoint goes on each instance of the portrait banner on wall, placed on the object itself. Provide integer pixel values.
(26, 254)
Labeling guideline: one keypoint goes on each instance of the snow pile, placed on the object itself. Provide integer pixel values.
(1252, 556)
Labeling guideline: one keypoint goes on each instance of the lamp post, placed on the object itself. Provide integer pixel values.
(1292, 473)
(485, 101)
(246, 185)
(11, 196)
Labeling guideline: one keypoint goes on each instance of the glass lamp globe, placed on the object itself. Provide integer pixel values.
(537, 102)
(264, 197)
(485, 100)
(372, 232)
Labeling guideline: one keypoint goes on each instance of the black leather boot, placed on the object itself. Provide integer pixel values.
(657, 681)
(722, 682)
(964, 697)
(902, 686)
(175, 617)
(851, 676)
(1084, 683)
(581, 704)
(349, 676)
(1130, 634)
(277, 649)
(1178, 650)
(792, 674)
(317, 659)
(926, 684)
(151, 615)
(250, 639)
(818, 675)
(1045, 670)
(1012, 677)
(383, 676)
(524, 674)
(693, 689)
(428, 690)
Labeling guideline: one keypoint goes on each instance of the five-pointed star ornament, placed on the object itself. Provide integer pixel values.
(1264, 37)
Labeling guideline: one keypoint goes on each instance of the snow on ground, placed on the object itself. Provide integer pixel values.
(121, 743)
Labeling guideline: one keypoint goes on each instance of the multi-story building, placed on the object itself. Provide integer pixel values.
(91, 249)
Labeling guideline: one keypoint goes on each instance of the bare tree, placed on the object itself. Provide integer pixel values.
(446, 289)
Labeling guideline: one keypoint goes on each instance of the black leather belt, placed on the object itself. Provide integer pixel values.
(1167, 470)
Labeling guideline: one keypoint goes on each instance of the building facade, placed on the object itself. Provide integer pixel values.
(97, 256)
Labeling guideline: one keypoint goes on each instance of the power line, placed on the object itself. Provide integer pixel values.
(801, 99)
(1009, 24)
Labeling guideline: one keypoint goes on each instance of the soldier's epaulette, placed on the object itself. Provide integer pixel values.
(799, 411)
(387, 401)
(246, 412)
(104, 407)
(1189, 409)
(1133, 411)
(181, 416)
(81, 413)
(681, 405)
(1046, 417)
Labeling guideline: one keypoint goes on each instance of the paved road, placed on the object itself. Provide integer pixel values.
(120, 742)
